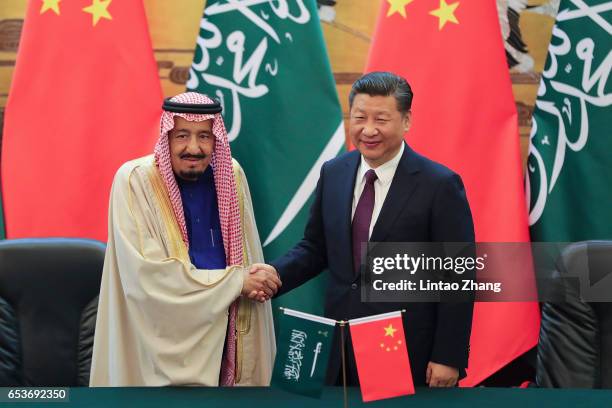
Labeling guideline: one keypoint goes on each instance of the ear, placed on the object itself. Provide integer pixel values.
(407, 121)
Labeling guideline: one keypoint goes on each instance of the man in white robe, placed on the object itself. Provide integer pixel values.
(161, 319)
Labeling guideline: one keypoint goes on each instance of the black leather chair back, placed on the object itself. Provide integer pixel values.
(575, 345)
(48, 300)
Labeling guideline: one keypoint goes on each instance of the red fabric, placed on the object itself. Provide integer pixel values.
(464, 116)
(84, 99)
(382, 359)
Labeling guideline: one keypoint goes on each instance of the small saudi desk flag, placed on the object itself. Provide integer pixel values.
(303, 347)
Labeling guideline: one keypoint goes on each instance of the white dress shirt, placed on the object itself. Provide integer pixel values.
(385, 173)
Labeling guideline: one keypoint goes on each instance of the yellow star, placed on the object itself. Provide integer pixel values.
(50, 5)
(398, 6)
(98, 10)
(445, 13)
(389, 331)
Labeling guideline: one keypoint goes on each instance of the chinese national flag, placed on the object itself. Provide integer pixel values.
(381, 356)
(464, 116)
(85, 97)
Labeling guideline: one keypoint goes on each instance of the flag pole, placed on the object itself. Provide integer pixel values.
(342, 323)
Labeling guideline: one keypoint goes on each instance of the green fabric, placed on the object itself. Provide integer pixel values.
(332, 397)
(569, 171)
(302, 355)
(270, 70)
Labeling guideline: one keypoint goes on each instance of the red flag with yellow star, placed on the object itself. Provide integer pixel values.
(85, 97)
(381, 356)
(464, 116)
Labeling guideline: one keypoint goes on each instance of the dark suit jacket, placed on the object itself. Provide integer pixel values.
(426, 202)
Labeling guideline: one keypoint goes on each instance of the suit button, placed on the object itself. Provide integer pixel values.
(354, 286)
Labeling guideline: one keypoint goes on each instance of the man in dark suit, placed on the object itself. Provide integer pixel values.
(384, 192)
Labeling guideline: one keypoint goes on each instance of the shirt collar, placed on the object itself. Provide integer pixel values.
(384, 172)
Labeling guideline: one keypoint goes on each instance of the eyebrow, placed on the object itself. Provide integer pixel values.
(378, 112)
(189, 131)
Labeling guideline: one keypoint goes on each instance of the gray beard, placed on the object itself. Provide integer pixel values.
(190, 175)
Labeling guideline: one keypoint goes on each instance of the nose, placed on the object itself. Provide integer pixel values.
(369, 130)
(192, 146)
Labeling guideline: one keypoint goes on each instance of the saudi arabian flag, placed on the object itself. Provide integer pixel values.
(569, 173)
(267, 64)
(304, 344)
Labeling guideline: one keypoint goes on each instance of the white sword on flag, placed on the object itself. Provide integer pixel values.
(317, 350)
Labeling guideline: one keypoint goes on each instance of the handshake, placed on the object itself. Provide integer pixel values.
(261, 282)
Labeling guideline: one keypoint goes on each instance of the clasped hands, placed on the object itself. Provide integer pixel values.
(261, 282)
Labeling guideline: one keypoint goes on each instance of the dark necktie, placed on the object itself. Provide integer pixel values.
(363, 217)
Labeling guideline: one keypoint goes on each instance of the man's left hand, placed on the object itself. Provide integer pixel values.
(440, 375)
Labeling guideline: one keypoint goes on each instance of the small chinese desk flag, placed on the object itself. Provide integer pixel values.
(382, 357)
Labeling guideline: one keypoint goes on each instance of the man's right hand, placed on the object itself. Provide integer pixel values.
(261, 282)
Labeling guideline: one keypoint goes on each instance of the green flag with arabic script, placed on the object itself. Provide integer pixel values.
(267, 64)
(304, 344)
(570, 155)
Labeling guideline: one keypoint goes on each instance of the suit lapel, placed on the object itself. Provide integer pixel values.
(342, 184)
(402, 186)
(346, 186)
